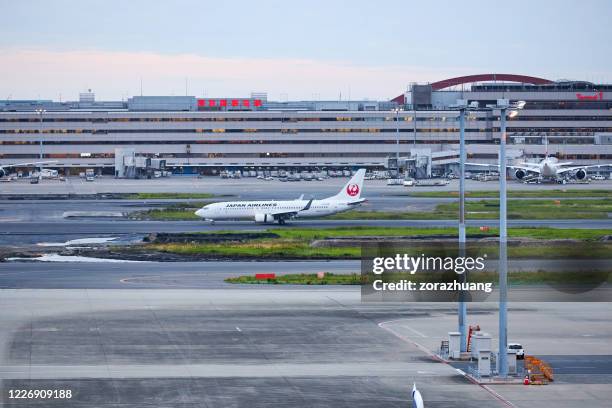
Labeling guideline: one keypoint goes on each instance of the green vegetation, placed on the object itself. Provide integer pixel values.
(161, 196)
(489, 209)
(514, 278)
(557, 193)
(173, 212)
(167, 214)
(524, 232)
(261, 248)
(301, 279)
(296, 243)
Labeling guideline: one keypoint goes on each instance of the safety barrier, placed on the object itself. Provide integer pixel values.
(540, 373)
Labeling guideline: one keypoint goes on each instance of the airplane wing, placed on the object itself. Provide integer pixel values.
(28, 164)
(591, 166)
(357, 202)
(289, 214)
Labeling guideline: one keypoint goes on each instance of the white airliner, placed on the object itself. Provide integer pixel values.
(549, 168)
(4, 172)
(270, 211)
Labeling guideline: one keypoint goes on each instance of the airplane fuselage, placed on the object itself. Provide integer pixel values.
(236, 210)
(548, 168)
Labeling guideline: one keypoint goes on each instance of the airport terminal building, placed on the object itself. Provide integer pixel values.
(206, 135)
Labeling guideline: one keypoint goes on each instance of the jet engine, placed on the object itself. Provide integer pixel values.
(264, 218)
(581, 174)
(519, 174)
(2, 172)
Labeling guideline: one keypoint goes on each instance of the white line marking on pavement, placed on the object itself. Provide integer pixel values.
(238, 328)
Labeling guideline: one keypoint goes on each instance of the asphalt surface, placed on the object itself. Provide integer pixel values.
(220, 348)
(174, 275)
(208, 275)
(254, 187)
(33, 232)
(217, 349)
(203, 343)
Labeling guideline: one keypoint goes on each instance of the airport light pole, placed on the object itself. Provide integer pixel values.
(503, 106)
(462, 106)
(462, 239)
(40, 113)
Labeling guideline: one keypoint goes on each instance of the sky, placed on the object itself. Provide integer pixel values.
(291, 49)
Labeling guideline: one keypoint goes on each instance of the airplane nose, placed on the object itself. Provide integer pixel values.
(199, 213)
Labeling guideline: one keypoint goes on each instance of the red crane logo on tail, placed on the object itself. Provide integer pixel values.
(352, 190)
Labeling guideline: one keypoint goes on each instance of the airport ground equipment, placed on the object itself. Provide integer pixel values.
(444, 349)
(480, 341)
(473, 329)
(511, 358)
(484, 362)
(454, 343)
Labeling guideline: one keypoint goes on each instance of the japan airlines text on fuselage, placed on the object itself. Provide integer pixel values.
(268, 211)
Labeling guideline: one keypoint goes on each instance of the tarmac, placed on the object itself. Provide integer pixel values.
(174, 334)
(217, 348)
(261, 348)
(33, 232)
(573, 338)
(272, 189)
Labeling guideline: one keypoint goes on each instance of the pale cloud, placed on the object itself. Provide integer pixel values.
(37, 73)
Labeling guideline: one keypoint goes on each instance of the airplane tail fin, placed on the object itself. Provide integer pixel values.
(352, 190)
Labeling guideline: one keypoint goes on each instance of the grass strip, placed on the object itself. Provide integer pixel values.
(161, 196)
(514, 278)
(560, 193)
(301, 279)
(296, 243)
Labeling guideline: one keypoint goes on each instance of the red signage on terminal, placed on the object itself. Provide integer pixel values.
(234, 103)
(598, 96)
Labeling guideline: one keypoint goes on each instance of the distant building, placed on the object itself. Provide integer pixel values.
(211, 134)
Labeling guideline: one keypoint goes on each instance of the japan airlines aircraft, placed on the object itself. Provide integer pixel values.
(270, 211)
(4, 172)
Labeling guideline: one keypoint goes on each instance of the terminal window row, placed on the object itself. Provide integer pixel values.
(449, 118)
(294, 131)
(210, 155)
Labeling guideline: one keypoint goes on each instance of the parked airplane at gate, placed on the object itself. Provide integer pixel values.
(270, 211)
(550, 168)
